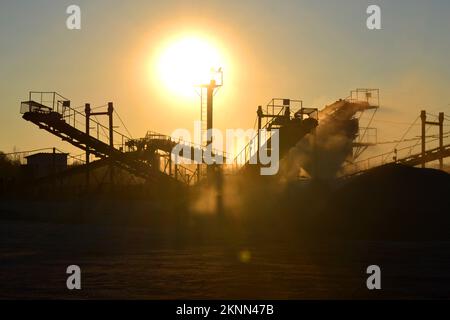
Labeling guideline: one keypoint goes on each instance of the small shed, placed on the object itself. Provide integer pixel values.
(45, 164)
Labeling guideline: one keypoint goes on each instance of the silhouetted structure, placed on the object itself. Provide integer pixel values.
(42, 164)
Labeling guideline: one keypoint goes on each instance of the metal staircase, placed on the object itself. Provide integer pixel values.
(289, 117)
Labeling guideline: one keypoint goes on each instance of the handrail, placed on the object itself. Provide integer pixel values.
(366, 163)
(255, 137)
(151, 134)
(55, 102)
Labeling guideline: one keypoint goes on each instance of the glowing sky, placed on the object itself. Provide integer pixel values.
(312, 50)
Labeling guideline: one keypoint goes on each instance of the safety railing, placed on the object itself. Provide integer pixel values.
(392, 156)
(47, 102)
(365, 95)
(275, 108)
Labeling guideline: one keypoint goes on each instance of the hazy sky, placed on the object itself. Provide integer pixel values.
(316, 51)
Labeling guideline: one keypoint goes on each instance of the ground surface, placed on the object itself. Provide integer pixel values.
(130, 263)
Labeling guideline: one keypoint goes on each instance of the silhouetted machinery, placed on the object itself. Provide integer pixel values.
(341, 134)
(151, 157)
(284, 119)
(292, 125)
(53, 113)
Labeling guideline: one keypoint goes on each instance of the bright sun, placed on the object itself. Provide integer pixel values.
(186, 63)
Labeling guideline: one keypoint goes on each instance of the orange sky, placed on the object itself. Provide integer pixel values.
(305, 50)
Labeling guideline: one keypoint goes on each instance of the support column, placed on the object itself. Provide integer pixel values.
(111, 141)
(315, 166)
(87, 110)
(441, 139)
(423, 117)
(219, 189)
(260, 115)
(54, 168)
(209, 122)
(199, 168)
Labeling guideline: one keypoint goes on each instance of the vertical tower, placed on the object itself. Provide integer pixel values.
(207, 92)
(213, 171)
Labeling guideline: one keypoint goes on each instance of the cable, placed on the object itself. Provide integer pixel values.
(123, 124)
(101, 126)
(407, 131)
(366, 129)
(398, 141)
(21, 152)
